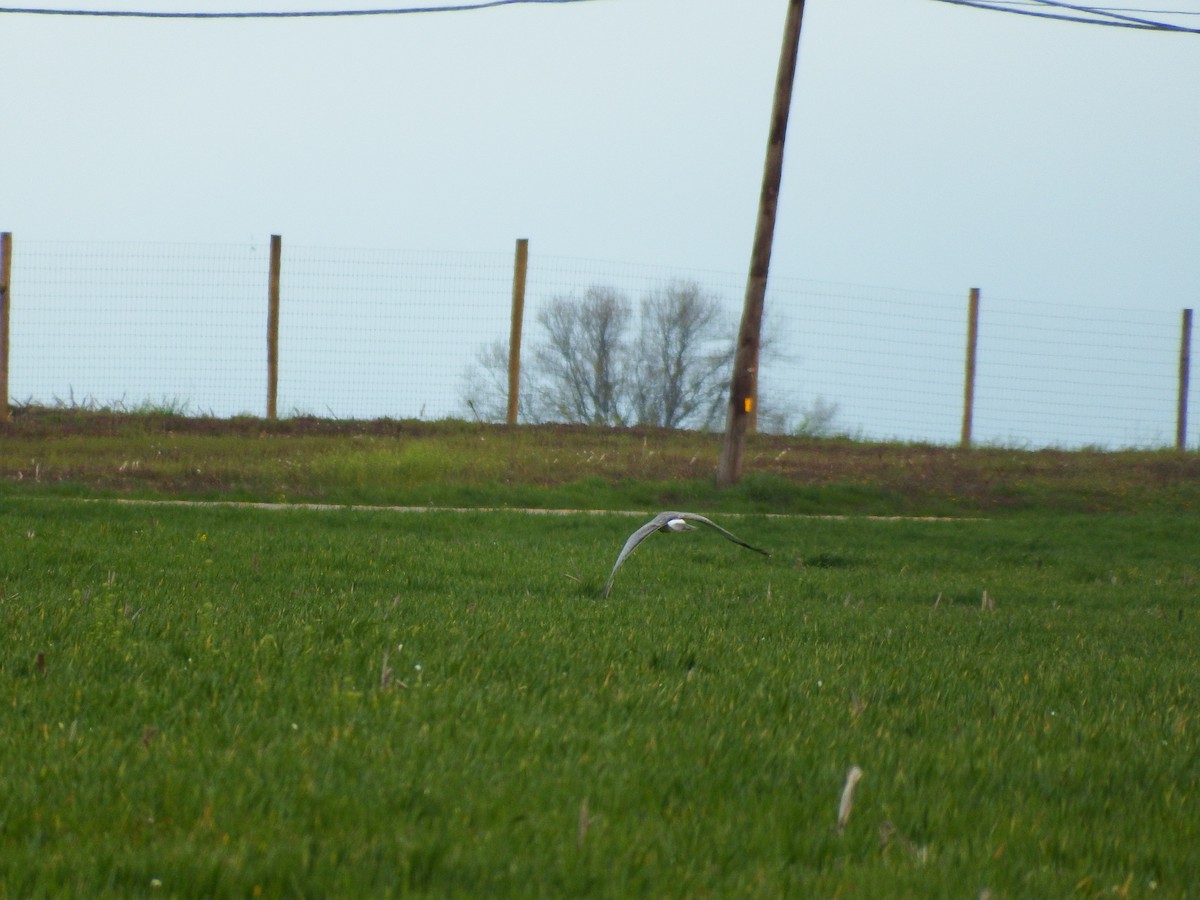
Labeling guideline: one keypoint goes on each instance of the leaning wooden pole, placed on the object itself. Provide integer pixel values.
(968, 416)
(273, 326)
(1185, 361)
(743, 387)
(520, 265)
(5, 295)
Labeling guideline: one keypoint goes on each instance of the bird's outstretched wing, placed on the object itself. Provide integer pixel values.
(693, 517)
(631, 544)
(657, 524)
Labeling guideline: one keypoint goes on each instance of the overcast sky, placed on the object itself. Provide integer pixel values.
(931, 146)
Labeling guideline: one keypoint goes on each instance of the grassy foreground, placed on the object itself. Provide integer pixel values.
(246, 702)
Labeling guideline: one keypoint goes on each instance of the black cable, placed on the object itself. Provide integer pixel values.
(1114, 20)
(292, 14)
(1112, 14)
(1109, 9)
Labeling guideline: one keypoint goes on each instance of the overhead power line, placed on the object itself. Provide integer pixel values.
(1089, 15)
(1113, 9)
(264, 14)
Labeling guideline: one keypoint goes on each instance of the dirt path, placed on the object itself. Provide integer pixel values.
(533, 511)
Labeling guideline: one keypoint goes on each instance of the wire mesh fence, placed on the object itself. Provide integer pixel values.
(1077, 376)
(368, 333)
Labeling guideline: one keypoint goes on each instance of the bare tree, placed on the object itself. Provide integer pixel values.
(817, 420)
(581, 364)
(485, 387)
(682, 358)
(589, 368)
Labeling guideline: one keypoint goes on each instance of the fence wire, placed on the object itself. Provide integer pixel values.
(368, 333)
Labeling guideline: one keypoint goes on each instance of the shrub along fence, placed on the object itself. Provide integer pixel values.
(261, 328)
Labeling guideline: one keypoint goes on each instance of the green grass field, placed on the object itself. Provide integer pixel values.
(222, 701)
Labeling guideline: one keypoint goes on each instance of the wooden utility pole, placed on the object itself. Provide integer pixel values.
(520, 265)
(5, 294)
(273, 325)
(743, 388)
(968, 416)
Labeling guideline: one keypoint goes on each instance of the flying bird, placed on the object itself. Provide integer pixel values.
(670, 521)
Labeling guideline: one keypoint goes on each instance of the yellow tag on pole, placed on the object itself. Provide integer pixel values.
(749, 404)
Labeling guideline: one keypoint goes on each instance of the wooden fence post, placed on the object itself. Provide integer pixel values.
(1185, 357)
(969, 380)
(273, 326)
(5, 297)
(520, 266)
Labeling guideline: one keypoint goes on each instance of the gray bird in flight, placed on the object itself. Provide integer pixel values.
(670, 521)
